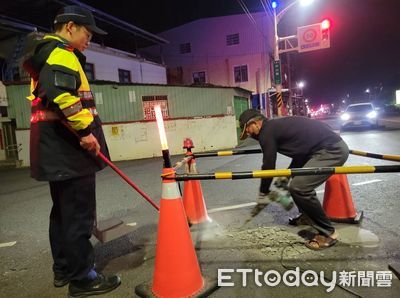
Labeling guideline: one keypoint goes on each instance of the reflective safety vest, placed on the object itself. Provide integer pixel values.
(70, 104)
(60, 92)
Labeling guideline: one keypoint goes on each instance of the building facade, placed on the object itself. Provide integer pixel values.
(229, 51)
(102, 63)
(107, 64)
(207, 115)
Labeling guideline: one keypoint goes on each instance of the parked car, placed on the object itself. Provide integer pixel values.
(360, 114)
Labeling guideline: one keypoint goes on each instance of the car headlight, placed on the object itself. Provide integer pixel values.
(372, 114)
(345, 117)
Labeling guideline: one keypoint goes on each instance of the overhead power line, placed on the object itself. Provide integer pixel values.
(107, 18)
(252, 20)
(247, 12)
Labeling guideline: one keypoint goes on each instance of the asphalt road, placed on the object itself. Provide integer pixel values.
(25, 268)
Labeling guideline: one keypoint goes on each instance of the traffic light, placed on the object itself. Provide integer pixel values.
(325, 32)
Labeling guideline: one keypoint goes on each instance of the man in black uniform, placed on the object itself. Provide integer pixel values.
(66, 136)
(310, 143)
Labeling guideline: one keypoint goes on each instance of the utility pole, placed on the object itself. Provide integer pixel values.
(290, 84)
(277, 68)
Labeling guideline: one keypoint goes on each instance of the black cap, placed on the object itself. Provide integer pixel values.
(245, 118)
(80, 16)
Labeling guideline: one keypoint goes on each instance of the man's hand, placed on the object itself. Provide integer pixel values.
(90, 143)
(263, 198)
(279, 196)
(263, 201)
(282, 183)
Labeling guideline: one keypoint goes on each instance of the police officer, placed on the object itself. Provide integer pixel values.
(310, 143)
(66, 136)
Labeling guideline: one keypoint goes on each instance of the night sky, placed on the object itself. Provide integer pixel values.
(365, 37)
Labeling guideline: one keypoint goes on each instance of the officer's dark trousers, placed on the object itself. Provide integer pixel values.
(302, 188)
(71, 223)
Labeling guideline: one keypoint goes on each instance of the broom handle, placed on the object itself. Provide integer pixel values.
(129, 181)
(117, 170)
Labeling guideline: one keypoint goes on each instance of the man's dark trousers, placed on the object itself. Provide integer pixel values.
(71, 224)
(302, 188)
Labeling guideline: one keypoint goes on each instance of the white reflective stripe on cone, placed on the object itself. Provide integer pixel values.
(170, 191)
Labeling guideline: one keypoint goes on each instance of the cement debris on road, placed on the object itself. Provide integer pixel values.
(271, 240)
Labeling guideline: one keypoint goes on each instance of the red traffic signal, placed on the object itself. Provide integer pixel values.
(325, 28)
(325, 24)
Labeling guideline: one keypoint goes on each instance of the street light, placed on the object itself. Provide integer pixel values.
(306, 2)
(368, 91)
(277, 64)
(301, 84)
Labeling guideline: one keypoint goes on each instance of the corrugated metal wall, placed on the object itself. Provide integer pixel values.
(18, 105)
(120, 103)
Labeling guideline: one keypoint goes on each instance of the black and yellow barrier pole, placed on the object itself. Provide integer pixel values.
(375, 155)
(227, 153)
(255, 151)
(287, 172)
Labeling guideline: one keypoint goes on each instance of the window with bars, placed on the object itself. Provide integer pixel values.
(240, 73)
(89, 71)
(124, 76)
(150, 101)
(232, 39)
(199, 77)
(185, 48)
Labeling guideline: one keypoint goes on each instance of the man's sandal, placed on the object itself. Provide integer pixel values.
(320, 242)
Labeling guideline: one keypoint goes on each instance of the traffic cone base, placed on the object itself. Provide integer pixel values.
(356, 220)
(338, 203)
(210, 286)
(395, 268)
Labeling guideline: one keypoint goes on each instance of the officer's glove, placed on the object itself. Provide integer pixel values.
(279, 196)
(262, 201)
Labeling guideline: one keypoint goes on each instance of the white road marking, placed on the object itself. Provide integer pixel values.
(8, 244)
(367, 182)
(231, 207)
(131, 224)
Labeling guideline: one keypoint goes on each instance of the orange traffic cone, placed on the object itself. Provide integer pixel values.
(193, 199)
(338, 203)
(177, 272)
